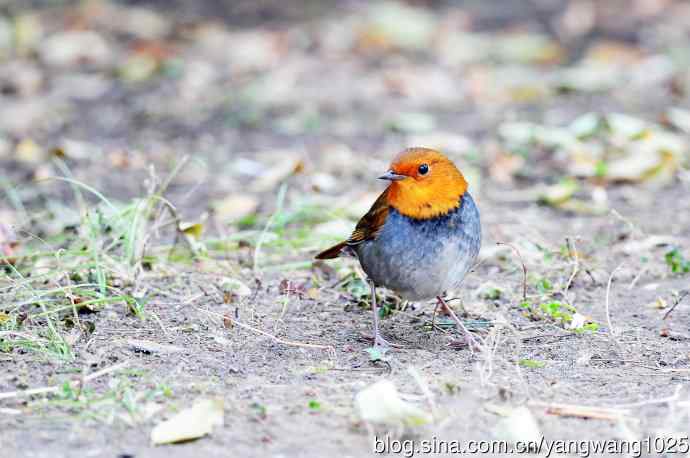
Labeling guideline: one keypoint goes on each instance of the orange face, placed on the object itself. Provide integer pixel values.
(424, 183)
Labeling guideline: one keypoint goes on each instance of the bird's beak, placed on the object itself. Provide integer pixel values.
(392, 176)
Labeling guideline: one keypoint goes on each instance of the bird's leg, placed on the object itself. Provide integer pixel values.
(378, 340)
(433, 317)
(469, 338)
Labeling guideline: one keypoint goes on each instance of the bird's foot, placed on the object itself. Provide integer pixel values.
(469, 340)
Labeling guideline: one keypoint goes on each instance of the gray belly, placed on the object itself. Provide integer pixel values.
(420, 259)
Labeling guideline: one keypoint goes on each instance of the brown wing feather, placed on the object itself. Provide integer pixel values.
(367, 228)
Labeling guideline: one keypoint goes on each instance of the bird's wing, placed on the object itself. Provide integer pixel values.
(367, 228)
(371, 224)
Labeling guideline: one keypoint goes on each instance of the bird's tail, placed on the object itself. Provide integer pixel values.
(332, 252)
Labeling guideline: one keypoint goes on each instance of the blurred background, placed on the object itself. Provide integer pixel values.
(558, 99)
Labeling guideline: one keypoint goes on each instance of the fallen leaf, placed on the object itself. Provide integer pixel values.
(235, 286)
(641, 164)
(313, 293)
(625, 125)
(586, 125)
(519, 425)
(578, 321)
(193, 230)
(381, 403)
(658, 304)
(559, 193)
(189, 424)
(531, 363)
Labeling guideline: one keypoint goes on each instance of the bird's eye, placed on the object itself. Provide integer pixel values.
(423, 169)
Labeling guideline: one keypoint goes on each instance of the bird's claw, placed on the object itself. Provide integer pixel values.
(468, 341)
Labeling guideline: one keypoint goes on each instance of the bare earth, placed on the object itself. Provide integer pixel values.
(312, 100)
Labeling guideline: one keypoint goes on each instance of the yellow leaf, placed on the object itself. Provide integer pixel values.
(189, 424)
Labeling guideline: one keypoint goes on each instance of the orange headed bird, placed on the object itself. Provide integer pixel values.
(421, 236)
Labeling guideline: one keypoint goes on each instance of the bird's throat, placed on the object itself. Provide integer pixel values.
(424, 202)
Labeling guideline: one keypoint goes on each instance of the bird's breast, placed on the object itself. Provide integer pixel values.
(420, 259)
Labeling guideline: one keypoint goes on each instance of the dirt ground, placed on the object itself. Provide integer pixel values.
(272, 120)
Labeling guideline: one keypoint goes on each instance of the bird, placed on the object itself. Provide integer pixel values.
(421, 236)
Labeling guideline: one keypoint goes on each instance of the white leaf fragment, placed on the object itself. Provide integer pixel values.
(193, 423)
(381, 403)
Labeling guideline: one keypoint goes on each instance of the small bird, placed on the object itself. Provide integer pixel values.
(421, 236)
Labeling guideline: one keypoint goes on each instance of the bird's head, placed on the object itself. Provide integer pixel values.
(424, 183)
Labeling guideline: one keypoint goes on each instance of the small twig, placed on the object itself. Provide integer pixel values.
(608, 311)
(290, 343)
(53, 389)
(22, 335)
(524, 268)
(572, 252)
(678, 300)
(280, 201)
(578, 411)
(631, 225)
(637, 277)
(556, 337)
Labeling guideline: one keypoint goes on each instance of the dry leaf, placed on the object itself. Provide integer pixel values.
(559, 193)
(193, 230)
(381, 403)
(236, 287)
(658, 304)
(519, 425)
(189, 424)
